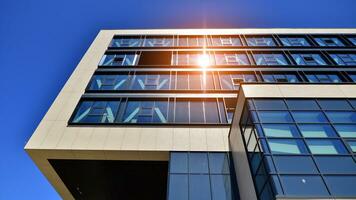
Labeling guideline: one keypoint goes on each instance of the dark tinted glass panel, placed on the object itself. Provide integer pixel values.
(199, 187)
(342, 117)
(341, 185)
(198, 163)
(182, 112)
(336, 164)
(303, 185)
(211, 112)
(308, 117)
(178, 162)
(334, 104)
(269, 104)
(274, 116)
(295, 164)
(178, 187)
(302, 104)
(218, 163)
(221, 187)
(196, 112)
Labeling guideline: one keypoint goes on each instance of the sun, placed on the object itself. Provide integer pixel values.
(204, 60)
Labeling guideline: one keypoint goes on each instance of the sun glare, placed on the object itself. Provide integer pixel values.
(204, 60)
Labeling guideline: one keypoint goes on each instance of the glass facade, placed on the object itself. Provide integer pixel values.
(201, 175)
(301, 148)
(297, 148)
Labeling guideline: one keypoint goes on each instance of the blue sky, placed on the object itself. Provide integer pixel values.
(42, 41)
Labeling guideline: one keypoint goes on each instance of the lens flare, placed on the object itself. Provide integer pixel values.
(204, 61)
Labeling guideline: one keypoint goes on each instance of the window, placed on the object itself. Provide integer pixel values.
(308, 59)
(198, 163)
(280, 78)
(157, 41)
(270, 59)
(231, 59)
(295, 164)
(329, 42)
(287, 146)
(302, 104)
(218, 163)
(344, 59)
(269, 104)
(308, 117)
(280, 130)
(145, 112)
(178, 162)
(123, 41)
(96, 112)
(346, 130)
(334, 104)
(352, 39)
(352, 76)
(189, 59)
(191, 41)
(294, 41)
(260, 41)
(274, 116)
(225, 41)
(199, 187)
(341, 117)
(303, 185)
(315, 130)
(221, 187)
(232, 81)
(325, 146)
(352, 144)
(119, 59)
(341, 185)
(109, 82)
(151, 82)
(324, 78)
(178, 187)
(336, 164)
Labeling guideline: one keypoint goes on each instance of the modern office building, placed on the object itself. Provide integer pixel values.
(210, 114)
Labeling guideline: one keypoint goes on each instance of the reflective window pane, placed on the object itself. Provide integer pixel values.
(119, 59)
(96, 112)
(269, 104)
(315, 130)
(295, 164)
(344, 59)
(178, 187)
(341, 117)
(182, 112)
(328, 41)
(352, 145)
(280, 130)
(324, 146)
(302, 104)
(198, 163)
(191, 41)
(308, 59)
(218, 163)
(221, 187)
(270, 59)
(274, 116)
(336, 164)
(323, 78)
(126, 42)
(196, 112)
(158, 42)
(109, 82)
(287, 146)
(294, 41)
(347, 130)
(260, 41)
(231, 59)
(303, 185)
(334, 104)
(211, 112)
(352, 40)
(308, 117)
(199, 187)
(225, 41)
(341, 185)
(178, 162)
